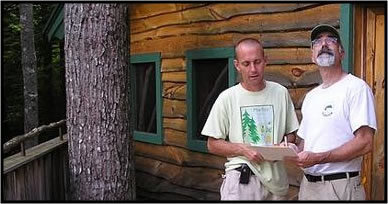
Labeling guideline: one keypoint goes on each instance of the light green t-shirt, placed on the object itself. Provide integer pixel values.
(257, 118)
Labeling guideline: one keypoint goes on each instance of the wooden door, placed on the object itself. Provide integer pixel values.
(369, 65)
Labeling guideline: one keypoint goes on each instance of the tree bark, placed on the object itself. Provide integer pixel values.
(101, 160)
(31, 119)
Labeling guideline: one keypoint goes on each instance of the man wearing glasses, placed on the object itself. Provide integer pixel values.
(337, 127)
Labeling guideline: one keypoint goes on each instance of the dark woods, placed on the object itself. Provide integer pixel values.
(50, 72)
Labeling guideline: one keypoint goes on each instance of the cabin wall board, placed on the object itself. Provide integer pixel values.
(172, 29)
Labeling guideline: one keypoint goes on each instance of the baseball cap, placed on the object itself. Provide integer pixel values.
(324, 28)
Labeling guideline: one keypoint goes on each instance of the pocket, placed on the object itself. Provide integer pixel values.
(230, 185)
(358, 191)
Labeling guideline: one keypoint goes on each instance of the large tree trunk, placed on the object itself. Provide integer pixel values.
(100, 150)
(31, 119)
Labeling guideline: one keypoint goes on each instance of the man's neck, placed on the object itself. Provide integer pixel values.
(258, 87)
(331, 75)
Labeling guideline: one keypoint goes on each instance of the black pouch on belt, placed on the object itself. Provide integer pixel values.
(245, 174)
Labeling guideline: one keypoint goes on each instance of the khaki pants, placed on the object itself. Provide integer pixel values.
(231, 189)
(340, 189)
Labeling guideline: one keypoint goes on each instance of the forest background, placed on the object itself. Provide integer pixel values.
(49, 68)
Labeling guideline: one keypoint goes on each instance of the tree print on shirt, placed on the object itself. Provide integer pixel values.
(257, 124)
(249, 128)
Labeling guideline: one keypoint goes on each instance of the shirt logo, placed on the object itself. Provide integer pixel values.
(257, 124)
(328, 110)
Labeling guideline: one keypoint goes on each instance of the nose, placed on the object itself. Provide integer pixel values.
(252, 66)
(324, 42)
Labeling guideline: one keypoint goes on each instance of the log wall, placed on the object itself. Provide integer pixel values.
(171, 171)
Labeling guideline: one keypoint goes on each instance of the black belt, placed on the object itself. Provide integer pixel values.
(329, 177)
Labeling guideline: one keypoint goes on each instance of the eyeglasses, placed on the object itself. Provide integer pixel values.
(328, 40)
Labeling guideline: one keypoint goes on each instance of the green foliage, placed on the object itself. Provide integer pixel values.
(50, 73)
(12, 80)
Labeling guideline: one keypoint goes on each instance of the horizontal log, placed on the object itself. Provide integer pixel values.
(145, 193)
(174, 76)
(296, 74)
(312, 78)
(161, 186)
(298, 20)
(174, 90)
(214, 13)
(297, 96)
(175, 137)
(147, 196)
(175, 50)
(174, 108)
(175, 123)
(142, 10)
(173, 65)
(227, 11)
(288, 55)
(194, 177)
(278, 78)
(177, 174)
(179, 156)
(33, 133)
(269, 39)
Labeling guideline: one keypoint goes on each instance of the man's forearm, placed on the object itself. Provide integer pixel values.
(360, 145)
(224, 148)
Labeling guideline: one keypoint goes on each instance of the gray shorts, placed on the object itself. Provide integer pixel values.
(231, 189)
(340, 189)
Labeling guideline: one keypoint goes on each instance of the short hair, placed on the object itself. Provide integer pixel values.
(249, 41)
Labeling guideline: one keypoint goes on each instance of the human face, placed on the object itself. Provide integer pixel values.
(250, 64)
(326, 50)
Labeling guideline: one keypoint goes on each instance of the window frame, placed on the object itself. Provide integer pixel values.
(198, 54)
(140, 135)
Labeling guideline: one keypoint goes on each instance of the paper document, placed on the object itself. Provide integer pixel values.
(275, 152)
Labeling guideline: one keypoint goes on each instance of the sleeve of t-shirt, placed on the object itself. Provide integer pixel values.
(362, 108)
(217, 122)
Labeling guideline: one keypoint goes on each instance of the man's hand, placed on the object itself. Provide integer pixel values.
(306, 159)
(251, 154)
(228, 149)
(292, 145)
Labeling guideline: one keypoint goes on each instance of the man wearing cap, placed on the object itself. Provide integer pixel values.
(337, 127)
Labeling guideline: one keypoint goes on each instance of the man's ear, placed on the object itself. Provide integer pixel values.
(342, 52)
(235, 62)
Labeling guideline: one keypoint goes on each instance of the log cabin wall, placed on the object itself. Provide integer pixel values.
(170, 170)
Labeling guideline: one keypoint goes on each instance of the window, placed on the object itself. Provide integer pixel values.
(209, 72)
(146, 95)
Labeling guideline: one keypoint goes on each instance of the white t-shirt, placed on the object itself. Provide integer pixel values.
(330, 117)
(259, 118)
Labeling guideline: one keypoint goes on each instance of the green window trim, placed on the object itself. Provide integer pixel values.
(346, 33)
(55, 25)
(149, 58)
(206, 53)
